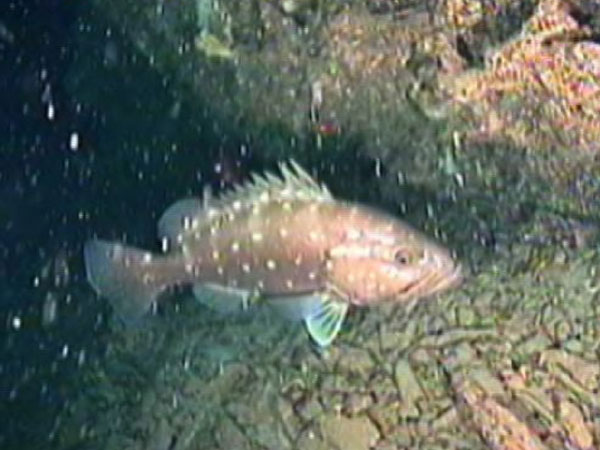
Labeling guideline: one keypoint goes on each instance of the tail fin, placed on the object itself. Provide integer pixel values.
(124, 275)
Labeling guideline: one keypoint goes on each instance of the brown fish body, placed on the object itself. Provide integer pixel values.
(267, 248)
(280, 238)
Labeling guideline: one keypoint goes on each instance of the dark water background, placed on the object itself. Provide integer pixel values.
(65, 76)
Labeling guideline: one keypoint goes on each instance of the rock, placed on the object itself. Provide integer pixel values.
(344, 433)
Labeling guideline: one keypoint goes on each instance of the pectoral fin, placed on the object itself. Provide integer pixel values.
(322, 314)
(325, 322)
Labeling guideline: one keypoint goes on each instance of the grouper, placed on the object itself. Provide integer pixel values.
(282, 239)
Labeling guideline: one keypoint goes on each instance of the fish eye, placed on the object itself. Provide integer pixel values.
(402, 257)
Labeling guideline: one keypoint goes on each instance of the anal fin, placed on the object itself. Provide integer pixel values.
(224, 299)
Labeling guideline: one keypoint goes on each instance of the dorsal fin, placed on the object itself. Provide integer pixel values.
(190, 215)
(293, 184)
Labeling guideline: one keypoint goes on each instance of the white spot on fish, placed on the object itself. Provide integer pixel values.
(392, 271)
(212, 213)
(187, 222)
(355, 251)
(287, 206)
(289, 284)
(147, 258)
(257, 237)
(237, 205)
(213, 231)
(264, 197)
(271, 265)
(313, 235)
(215, 255)
(283, 232)
(353, 234)
(164, 244)
(189, 267)
(312, 275)
(298, 260)
(383, 238)
(246, 267)
(220, 270)
(329, 265)
(260, 284)
(351, 278)
(235, 247)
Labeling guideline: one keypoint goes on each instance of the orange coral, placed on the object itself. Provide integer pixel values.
(552, 77)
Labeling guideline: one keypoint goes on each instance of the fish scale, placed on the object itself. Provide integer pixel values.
(284, 239)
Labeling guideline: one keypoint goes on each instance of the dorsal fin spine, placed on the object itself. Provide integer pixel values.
(293, 184)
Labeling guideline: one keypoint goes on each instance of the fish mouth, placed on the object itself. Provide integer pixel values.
(448, 273)
(449, 279)
(436, 281)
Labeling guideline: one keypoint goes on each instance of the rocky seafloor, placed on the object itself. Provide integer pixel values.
(510, 360)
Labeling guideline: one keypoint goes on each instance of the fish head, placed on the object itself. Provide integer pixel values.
(392, 262)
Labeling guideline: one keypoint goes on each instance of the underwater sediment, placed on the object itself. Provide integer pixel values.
(511, 360)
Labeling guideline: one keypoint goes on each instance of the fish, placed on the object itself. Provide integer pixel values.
(281, 240)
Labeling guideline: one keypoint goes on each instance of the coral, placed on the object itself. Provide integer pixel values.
(541, 88)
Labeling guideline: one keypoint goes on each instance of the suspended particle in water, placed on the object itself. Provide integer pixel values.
(49, 309)
(74, 141)
(50, 112)
(16, 322)
(81, 358)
